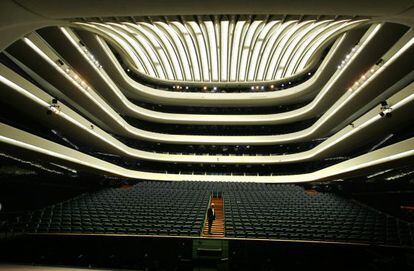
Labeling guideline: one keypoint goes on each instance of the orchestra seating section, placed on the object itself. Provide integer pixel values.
(264, 211)
(147, 208)
(288, 212)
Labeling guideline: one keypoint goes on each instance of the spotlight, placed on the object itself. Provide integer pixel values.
(262, 87)
(214, 88)
(186, 87)
(272, 86)
(252, 88)
(309, 73)
(204, 88)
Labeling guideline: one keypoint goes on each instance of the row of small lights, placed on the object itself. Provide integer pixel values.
(252, 87)
(364, 77)
(348, 57)
(76, 78)
(91, 57)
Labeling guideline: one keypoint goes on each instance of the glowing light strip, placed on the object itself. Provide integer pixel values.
(280, 46)
(398, 176)
(379, 173)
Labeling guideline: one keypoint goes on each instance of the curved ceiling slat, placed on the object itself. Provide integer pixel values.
(157, 45)
(304, 47)
(181, 53)
(269, 48)
(258, 49)
(319, 40)
(136, 48)
(288, 60)
(190, 47)
(201, 45)
(276, 66)
(142, 47)
(249, 50)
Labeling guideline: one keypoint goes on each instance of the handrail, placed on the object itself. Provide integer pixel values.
(205, 215)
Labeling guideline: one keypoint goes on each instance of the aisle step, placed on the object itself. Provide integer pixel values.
(217, 229)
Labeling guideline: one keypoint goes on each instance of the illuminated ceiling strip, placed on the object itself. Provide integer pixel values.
(129, 50)
(319, 41)
(188, 42)
(390, 153)
(281, 47)
(161, 53)
(224, 39)
(297, 157)
(232, 140)
(179, 47)
(258, 49)
(270, 47)
(140, 49)
(300, 47)
(246, 47)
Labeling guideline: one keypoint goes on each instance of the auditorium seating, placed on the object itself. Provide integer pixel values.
(144, 209)
(288, 212)
(255, 211)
